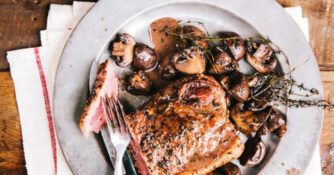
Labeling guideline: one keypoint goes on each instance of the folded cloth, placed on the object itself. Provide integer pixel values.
(33, 71)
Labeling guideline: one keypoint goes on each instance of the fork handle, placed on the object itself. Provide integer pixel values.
(119, 162)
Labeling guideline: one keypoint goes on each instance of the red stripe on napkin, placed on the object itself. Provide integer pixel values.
(47, 106)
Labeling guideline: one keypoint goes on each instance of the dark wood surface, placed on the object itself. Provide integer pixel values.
(21, 21)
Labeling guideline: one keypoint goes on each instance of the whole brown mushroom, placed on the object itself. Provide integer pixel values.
(254, 152)
(145, 57)
(189, 61)
(138, 83)
(197, 35)
(247, 121)
(237, 48)
(260, 99)
(229, 169)
(222, 63)
(236, 85)
(235, 45)
(123, 49)
(262, 59)
(274, 121)
(261, 93)
(259, 84)
(226, 169)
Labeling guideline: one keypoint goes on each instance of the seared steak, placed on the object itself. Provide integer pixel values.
(184, 129)
(106, 85)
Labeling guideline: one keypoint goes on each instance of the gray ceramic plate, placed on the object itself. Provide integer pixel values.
(263, 18)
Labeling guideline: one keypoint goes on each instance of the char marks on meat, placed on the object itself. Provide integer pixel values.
(184, 129)
(106, 85)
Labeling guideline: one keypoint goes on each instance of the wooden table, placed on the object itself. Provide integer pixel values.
(21, 21)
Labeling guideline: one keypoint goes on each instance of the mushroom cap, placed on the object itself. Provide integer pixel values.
(260, 84)
(274, 121)
(237, 48)
(236, 85)
(222, 62)
(138, 83)
(235, 45)
(247, 121)
(230, 169)
(262, 59)
(123, 49)
(261, 93)
(226, 169)
(240, 88)
(145, 57)
(223, 59)
(254, 152)
(189, 61)
(197, 34)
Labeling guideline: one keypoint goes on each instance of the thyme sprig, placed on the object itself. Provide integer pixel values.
(281, 85)
(278, 85)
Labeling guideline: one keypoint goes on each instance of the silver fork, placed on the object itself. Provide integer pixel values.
(117, 128)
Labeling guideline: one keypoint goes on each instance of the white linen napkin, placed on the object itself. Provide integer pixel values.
(33, 71)
(32, 89)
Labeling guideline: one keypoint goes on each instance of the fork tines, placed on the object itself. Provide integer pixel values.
(114, 111)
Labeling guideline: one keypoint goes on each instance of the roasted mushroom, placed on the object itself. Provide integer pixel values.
(273, 122)
(236, 85)
(259, 84)
(197, 36)
(235, 45)
(237, 48)
(145, 57)
(189, 61)
(247, 121)
(229, 169)
(254, 152)
(138, 83)
(123, 50)
(168, 72)
(259, 100)
(262, 59)
(261, 93)
(222, 63)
